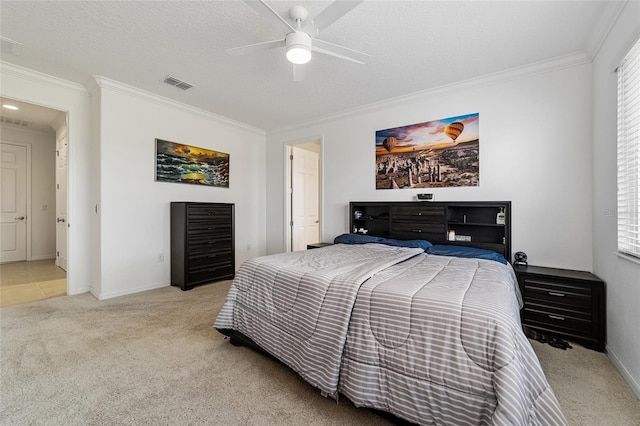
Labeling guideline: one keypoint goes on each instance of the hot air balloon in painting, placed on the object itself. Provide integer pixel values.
(433, 154)
(389, 143)
(454, 129)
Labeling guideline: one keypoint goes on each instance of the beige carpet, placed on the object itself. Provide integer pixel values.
(154, 359)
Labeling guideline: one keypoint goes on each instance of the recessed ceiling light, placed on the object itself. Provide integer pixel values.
(13, 107)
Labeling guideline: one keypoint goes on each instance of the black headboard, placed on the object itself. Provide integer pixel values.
(474, 223)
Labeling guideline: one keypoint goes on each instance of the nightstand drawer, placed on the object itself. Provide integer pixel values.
(559, 319)
(557, 294)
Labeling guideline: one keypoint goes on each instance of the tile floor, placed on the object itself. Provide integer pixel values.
(23, 282)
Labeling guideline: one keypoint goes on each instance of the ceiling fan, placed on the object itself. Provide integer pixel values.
(300, 40)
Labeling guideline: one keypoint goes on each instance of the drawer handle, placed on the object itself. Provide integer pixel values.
(555, 293)
(417, 214)
(416, 230)
(557, 317)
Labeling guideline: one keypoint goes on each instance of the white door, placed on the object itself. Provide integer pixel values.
(305, 228)
(13, 184)
(61, 200)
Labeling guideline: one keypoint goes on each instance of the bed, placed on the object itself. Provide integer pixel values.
(430, 338)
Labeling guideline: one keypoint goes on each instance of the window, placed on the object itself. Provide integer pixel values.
(629, 153)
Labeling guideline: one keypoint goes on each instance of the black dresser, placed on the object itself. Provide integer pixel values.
(202, 243)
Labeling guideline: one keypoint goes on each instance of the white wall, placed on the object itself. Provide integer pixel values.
(134, 209)
(621, 275)
(535, 150)
(43, 177)
(40, 89)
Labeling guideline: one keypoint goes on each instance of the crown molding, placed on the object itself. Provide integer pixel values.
(608, 18)
(92, 85)
(100, 82)
(9, 68)
(526, 71)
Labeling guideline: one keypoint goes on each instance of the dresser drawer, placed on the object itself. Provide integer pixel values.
(208, 230)
(202, 212)
(210, 273)
(197, 260)
(198, 251)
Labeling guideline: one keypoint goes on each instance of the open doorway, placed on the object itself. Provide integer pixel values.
(304, 195)
(33, 252)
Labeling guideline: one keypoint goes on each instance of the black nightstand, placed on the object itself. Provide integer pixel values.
(318, 245)
(563, 302)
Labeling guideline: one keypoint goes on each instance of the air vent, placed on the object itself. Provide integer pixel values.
(178, 83)
(16, 121)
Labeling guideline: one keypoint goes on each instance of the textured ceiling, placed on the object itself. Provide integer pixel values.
(414, 46)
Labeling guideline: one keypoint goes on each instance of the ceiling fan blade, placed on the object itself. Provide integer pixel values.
(338, 51)
(252, 48)
(270, 15)
(298, 72)
(328, 16)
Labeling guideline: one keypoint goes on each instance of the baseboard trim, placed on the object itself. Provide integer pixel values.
(105, 296)
(635, 387)
(43, 257)
(77, 291)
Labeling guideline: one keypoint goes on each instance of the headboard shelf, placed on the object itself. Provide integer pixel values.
(474, 223)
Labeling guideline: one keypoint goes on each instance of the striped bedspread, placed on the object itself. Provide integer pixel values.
(297, 306)
(438, 340)
(431, 339)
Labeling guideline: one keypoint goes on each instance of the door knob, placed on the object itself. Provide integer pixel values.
(60, 219)
(19, 218)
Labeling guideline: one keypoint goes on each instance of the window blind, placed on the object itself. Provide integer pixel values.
(629, 153)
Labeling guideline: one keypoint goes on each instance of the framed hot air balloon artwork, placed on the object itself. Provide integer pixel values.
(435, 154)
(180, 163)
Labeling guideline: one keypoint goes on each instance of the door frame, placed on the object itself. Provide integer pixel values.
(28, 207)
(287, 187)
(64, 120)
(70, 185)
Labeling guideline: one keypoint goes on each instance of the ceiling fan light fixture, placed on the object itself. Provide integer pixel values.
(298, 47)
(298, 55)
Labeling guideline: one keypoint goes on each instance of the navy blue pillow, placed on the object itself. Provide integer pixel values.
(356, 239)
(423, 244)
(462, 251)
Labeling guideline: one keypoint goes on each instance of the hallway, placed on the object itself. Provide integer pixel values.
(24, 282)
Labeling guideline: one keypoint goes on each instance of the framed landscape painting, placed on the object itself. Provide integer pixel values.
(180, 163)
(433, 154)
